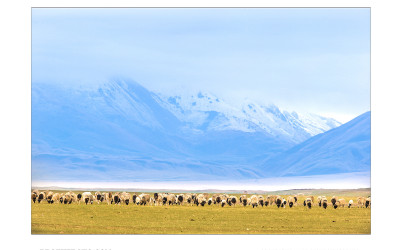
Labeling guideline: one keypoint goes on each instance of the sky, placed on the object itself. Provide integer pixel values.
(305, 60)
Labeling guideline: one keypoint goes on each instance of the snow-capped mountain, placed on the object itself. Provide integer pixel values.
(122, 131)
(205, 111)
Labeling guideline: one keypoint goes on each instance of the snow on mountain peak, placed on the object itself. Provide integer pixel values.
(209, 112)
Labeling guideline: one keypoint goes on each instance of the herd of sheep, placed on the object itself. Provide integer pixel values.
(194, 199)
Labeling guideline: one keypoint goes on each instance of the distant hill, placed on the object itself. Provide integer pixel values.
(344, 149)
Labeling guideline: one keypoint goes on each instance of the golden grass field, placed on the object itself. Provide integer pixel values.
(185, 219)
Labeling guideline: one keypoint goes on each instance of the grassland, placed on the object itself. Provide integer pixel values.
(122, 219)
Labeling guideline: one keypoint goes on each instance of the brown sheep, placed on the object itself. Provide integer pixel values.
(361, 201)
(341, 202)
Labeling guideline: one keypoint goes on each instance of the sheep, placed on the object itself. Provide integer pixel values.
(125, 197)
(210, 201)
(261, 200)
(368, 202)
(218, 199)
(67, 199)
(272, 199)
(97, 196)
(179, 199)
(201, 200)
(309, 202)
(233, 200)
(55, 198)
(155, 195)
(291, 201)
(73, 197)
(223, 203)
(41, 196)
(295, 199)
(254, 201)
(333, 201)
(284, 202)
(278, 201)
(117, 198)
(324, 202)
(341, 202)
(361, 201)
(319, 201)
(86, 197)
(144, 199)
(229, 201)
(243, 200)
(350, 203)
(137, 200)
(164, 199)
(34, 196)
(79, 198)
(134, 196)
(188, 199)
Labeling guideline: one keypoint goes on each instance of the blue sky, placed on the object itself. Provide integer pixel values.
(308, 60)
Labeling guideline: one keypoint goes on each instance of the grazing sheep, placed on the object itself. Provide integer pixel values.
(125, 197)
(55, 198)
(233, 200)
(97, 197)
(291, 201)
(223, 203)
(145, 198)
(34, 196)
(254, 201)
(155, 195)
(341, 202)
(86, 197)
(368, 202)
(188, 199)
(218, 199)
(350, 203)
(210, 201)
(49, 195)
(278, 201)
(309, 202)
(319, 201)
(333, 201)
(79, 198)
(137, 200)
(117, 198)
(74, 197)
(41, 196)
(295, 199)
(228, 201)
(134, 196)
(261, 200)
(244, 200)
(361, 201)
(180, 199)
(324, 202)
(272, 199)
(201, 200)
(284, 202)
(171, 199)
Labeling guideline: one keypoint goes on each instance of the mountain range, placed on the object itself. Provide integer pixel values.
(120, 130)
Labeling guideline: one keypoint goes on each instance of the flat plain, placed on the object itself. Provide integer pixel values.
(211, 219)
